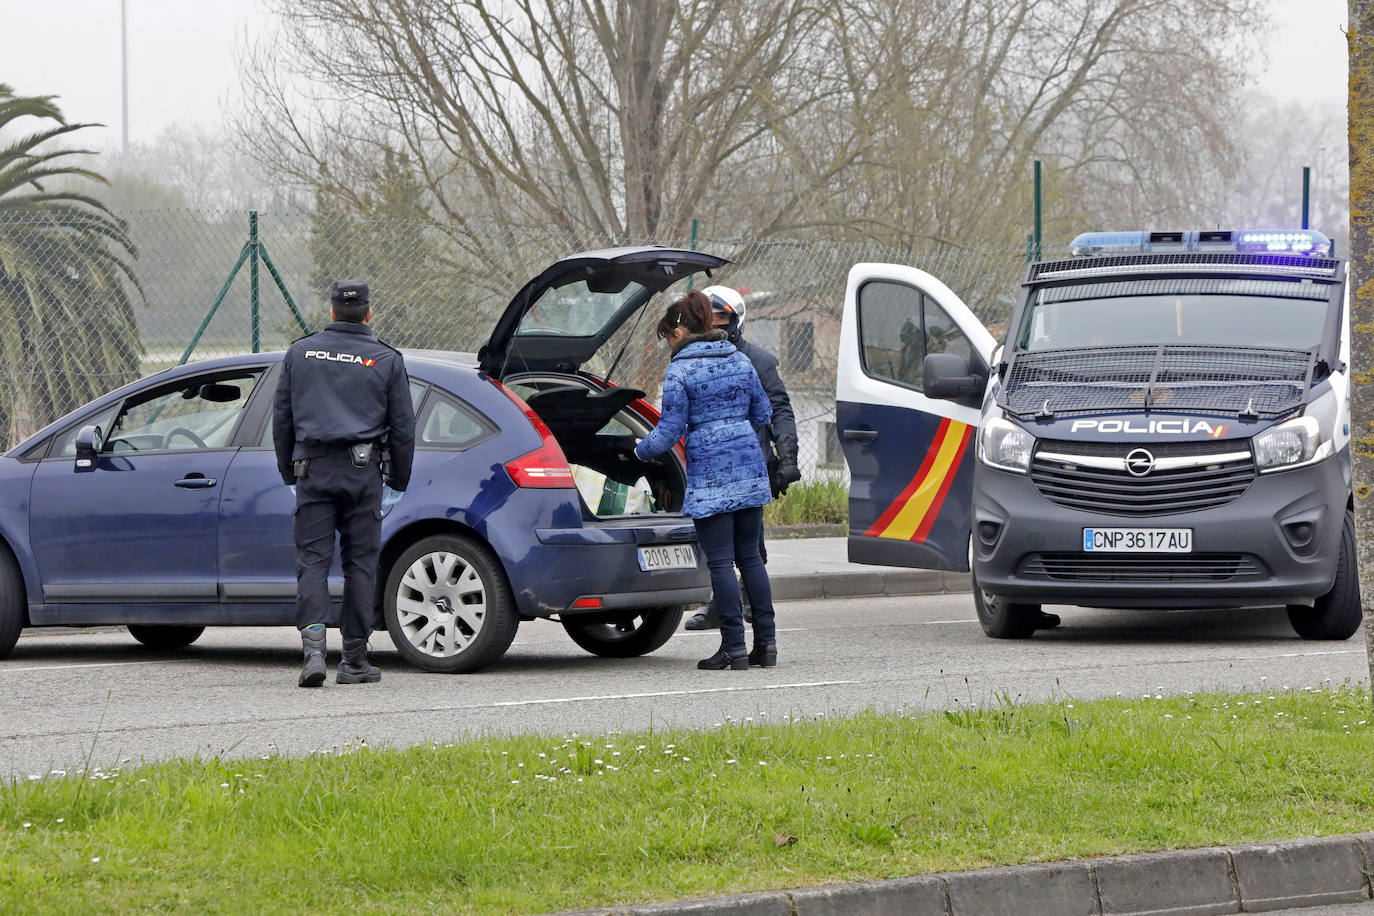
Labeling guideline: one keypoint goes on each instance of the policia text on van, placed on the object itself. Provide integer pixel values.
(1166, 426)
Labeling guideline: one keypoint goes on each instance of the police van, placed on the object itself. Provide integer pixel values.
(1166, 425)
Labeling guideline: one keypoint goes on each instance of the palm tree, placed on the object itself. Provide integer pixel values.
(67, 325)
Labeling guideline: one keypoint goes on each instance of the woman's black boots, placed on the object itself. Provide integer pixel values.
(722, 660)
(764, 656)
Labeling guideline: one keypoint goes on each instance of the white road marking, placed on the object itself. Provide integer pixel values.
(159, 661)
(640, 696)
(455, 707)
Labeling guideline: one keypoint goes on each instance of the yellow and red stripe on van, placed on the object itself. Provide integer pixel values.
(914, 511)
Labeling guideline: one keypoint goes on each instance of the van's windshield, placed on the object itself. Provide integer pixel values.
(1284, 314)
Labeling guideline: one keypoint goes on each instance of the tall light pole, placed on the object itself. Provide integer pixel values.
(124, 68)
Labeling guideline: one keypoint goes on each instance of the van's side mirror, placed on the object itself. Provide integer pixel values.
(89, 442)
(947, 376)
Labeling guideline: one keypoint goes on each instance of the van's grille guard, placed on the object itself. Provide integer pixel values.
(1222, 479)
(1245, 381)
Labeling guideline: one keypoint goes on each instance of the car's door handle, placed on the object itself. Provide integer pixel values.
(864, 434)
(195, 482)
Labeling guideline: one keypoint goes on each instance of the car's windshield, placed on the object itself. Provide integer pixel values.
(574, 310)
(1283, 314)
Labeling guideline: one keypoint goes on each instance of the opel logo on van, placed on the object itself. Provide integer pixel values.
(1139, 462)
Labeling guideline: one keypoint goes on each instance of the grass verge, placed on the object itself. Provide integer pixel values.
(825, 500)
(538, 824)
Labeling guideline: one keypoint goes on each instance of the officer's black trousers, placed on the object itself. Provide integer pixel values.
(335, 495)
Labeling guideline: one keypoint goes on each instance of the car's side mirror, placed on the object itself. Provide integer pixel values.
(89, 442)
(947, 376)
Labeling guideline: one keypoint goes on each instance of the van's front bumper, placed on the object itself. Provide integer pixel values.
(1249, 552)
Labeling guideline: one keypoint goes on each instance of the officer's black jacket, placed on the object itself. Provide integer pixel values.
(339, 386)
(783, 427)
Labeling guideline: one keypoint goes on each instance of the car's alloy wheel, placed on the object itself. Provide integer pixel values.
(448, 606)
(164, 637)
(11, 602)
(628, 637)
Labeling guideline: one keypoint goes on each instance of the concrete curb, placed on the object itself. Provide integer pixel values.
(1198, 882)
(879, 582)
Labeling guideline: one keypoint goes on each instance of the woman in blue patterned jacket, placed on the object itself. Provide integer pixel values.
(713, 395)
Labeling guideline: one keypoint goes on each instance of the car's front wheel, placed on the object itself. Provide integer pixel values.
(628, 637)
(1003, 619)
(11, 602)
(448, 606)
(164, 637)
(1336, 614)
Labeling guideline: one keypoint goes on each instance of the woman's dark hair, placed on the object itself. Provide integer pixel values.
(692, 311)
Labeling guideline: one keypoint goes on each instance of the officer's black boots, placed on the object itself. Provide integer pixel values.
(354, 668)
(312, 639)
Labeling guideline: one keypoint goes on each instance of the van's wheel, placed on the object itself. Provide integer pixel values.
(628, 637)
(1336, 615)
(448, 606)
(11, 602)
(1002, 619)
(164, 637)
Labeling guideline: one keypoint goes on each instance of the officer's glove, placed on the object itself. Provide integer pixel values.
(786, 474)
(292, 488)
(390, 498)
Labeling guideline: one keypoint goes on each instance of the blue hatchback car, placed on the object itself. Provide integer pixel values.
(159, 505)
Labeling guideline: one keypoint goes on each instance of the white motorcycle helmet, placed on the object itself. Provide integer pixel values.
(726, 300)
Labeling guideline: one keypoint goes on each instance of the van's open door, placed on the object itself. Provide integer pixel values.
(910, 456)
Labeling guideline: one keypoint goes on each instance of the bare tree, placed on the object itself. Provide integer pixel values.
(1128, 102)
(910, 123)
(588, 117)
(1360, 38)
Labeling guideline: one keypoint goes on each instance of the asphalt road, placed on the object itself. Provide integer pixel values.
(69, 697)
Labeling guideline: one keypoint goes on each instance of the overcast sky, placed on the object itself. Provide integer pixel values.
(182, 67)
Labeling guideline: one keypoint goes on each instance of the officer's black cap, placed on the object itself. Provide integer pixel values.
(348, 292)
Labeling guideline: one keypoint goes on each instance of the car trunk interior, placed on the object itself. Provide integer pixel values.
(597, 429)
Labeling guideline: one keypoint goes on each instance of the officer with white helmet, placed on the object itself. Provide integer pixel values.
(779, 438)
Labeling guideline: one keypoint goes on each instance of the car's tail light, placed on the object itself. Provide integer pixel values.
(546, 467)
(587, 602)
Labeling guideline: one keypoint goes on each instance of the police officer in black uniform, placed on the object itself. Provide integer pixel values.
(778, 439)
(343, 397)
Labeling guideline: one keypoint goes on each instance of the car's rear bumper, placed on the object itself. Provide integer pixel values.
(599, 562)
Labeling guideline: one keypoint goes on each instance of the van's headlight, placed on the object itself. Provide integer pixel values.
(1003, 444)
(1296, 442)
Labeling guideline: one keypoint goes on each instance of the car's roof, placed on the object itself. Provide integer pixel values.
(441, 357)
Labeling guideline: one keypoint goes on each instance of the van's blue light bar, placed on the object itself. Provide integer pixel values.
(1286, 241)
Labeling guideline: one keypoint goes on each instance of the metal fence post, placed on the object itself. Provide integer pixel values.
(1038, 249)
(692, 243)
(253, 280)
(214, 306)
(285, 293)
(1306, 188)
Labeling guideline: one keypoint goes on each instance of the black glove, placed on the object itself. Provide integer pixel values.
(784, 475)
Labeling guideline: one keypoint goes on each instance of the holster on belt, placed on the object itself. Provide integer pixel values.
(360, 453)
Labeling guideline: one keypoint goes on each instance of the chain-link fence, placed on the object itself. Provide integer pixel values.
(432, 287)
